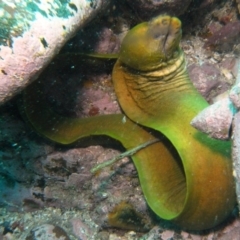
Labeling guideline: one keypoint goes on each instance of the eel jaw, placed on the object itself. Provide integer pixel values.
(166, 30)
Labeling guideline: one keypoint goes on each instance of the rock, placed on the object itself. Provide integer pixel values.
(220, 42)
(234, 95)
(32, 33)
(151, 8)
(207, 79)
(230, 231)
(81, 230)
(236, 154)
(96, 38)
(216, 120)
(48, 232)
(162, 233)
(234, 234)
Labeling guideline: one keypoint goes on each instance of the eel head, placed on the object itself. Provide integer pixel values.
(151, 43)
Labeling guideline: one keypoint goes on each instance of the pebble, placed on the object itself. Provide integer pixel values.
(47, 232)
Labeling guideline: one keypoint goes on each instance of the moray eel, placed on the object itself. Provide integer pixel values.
(194, 189)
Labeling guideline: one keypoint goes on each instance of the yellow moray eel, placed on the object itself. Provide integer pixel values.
(154, 90)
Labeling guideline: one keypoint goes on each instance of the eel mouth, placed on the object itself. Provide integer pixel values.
(165, 41)
(173, 37)
(167, 31)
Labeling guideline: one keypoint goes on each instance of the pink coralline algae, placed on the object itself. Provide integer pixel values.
(224, 38)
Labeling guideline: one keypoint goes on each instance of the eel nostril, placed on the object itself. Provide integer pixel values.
(165, 22)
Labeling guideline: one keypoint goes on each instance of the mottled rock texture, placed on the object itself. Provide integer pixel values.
(32, 33)
(151, 8)
(40, 181)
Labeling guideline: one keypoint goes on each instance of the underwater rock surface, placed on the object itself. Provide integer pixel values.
(154, 7)
(29, 43)
(48, 231)
(53, 185)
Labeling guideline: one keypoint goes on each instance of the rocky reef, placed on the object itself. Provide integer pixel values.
(46, 187)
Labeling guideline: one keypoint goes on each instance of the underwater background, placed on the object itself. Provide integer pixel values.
(47, 190)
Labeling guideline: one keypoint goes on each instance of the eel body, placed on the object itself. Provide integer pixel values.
(191, 185)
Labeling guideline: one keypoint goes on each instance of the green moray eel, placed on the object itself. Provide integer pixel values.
(196, 189)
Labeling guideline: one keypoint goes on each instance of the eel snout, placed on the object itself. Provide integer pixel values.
(167, 30)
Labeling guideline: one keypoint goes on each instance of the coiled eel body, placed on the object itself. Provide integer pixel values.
(194, 189)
